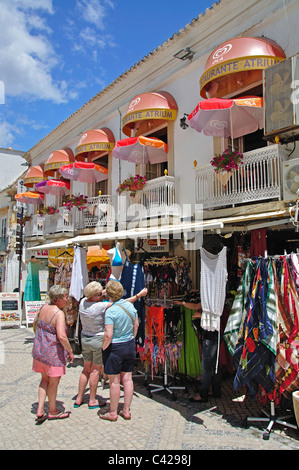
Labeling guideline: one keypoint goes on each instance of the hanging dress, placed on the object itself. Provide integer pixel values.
(32, 290)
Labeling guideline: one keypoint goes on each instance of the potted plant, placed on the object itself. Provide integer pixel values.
(132, 184)
(225, 163)
(76, 200)
(51, 210)
(228, 161)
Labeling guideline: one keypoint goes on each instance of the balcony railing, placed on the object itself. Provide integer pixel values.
(259, 178)
(158, 197)
(35, 227)
(99, 213)
(61, 222)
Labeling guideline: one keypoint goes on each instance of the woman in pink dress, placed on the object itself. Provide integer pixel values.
(50, 352)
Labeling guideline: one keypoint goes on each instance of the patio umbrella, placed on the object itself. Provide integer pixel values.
(141, 150)
(55, 187)
(221, 117)
(86, 172)
(30, 197)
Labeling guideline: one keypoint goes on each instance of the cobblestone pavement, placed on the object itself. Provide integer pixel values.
(157, 423)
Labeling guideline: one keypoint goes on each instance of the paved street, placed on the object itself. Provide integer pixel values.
(157, 424)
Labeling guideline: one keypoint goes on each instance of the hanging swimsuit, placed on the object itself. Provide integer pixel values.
(117, 261)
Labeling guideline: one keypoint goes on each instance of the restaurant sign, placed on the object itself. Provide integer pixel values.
(240, 64)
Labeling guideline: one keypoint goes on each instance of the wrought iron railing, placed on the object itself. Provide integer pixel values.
(259, 178)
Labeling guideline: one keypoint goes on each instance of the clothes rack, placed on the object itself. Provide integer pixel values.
(272, 419)
(262, 297)
(166, 386)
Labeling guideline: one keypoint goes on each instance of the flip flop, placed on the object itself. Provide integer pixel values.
(41, 419)
(121, 413)
(77, 405)
(92, 407)
(62, 415)
(107, 417)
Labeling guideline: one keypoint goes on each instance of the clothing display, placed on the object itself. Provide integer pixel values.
(189, 361)
(79, 277)
(262, 331)
(213, 279)
(132, 280)
(32, 289)
(63, 276)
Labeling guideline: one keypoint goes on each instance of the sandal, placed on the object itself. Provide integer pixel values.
(77, 405)
(107, 417)
(121, 413)
(61, 415)
(92, 407)
(41, 419)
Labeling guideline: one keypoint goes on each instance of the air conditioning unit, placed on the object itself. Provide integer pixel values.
(290, 174)
(281, 98)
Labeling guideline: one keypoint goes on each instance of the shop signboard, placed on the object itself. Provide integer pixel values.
(31, 309)
(153, 245)
(10, 309)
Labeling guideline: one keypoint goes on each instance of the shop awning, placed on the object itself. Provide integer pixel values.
(57, 159)
(155, 106)
(236, 63)
(93, 143)
(162, 231)
(95, 256)
(35, 174)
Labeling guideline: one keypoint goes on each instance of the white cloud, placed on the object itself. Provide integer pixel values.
(7, 132)
(94, 11)
(26, 58)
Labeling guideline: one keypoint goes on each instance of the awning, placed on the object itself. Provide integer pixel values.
(35, 174)
(57, 159)
(93, 143)
(95, 256)
(158, 231)
(153, 107)
(236, 63)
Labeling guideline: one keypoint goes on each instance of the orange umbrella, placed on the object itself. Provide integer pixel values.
(30, 197)
(141, 150)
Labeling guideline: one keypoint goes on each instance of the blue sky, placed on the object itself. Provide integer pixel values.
(55, 55)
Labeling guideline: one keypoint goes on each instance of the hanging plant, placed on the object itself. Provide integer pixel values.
(76, 200)
(228, 161)
(132, 184)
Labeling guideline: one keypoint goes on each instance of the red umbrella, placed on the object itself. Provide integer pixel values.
(141, 150)
(30, 197)
(86, 172)
(54, 187)
(220, 117)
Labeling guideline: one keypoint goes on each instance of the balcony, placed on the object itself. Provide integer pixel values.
(258, 179)
(99, 214)
(158, 197)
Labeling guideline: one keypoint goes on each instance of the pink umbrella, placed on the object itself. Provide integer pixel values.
(54, 187)
(141, 150)
(220, 117)
(86, 172)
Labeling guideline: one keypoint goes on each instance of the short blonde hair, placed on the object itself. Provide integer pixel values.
(57, 292)
(114, 290)
(93, 289)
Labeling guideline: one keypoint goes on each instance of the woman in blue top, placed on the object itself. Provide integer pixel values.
(121, 326)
